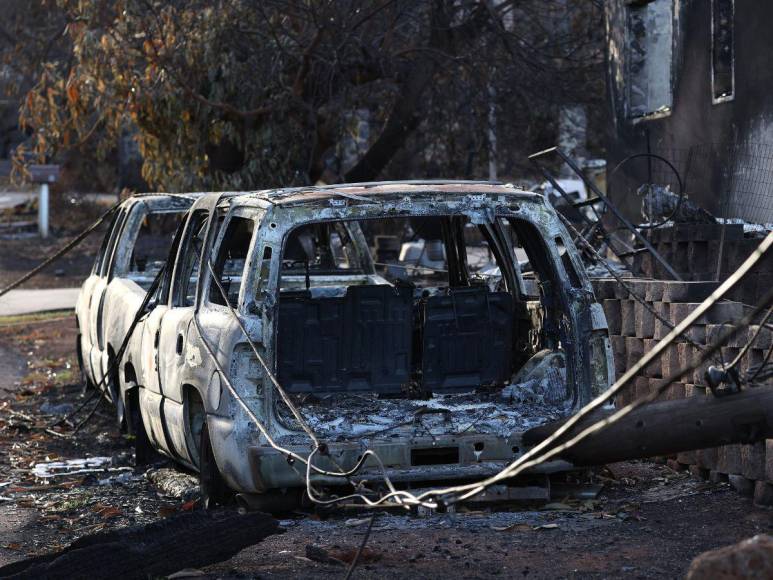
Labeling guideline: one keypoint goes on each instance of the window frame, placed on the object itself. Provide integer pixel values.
(651, 113)
(130, 236)
(108, 243)
(240, 213)
(716, 100)
(176, 285)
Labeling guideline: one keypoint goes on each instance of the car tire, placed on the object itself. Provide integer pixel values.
(86, 384)
(144, 452)
(214, 490)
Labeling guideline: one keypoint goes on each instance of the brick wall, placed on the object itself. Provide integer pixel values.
(634, 331)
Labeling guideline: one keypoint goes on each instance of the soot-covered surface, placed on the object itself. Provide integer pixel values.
(517, 407)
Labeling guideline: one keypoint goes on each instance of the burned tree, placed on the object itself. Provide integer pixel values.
(246, 94)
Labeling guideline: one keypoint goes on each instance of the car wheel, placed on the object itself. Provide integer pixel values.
(214, 490)
(86, 384)
(144, 452)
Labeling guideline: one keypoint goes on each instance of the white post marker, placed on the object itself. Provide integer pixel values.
(43, 210)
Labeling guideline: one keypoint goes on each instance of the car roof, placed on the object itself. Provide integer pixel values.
(385, 189)
(368, 191)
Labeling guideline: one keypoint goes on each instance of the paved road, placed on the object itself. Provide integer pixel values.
(30, 301)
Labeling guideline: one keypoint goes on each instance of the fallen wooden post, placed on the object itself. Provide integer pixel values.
(669, 427)
(188, 540)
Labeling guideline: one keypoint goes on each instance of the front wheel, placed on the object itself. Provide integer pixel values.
(214, 490)
(87, 385)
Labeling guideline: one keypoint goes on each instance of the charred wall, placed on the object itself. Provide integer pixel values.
(718, 133)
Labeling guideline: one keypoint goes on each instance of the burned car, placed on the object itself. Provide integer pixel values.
(132, 253)
(431, 323)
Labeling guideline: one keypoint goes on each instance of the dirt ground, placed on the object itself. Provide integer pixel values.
(648, 522)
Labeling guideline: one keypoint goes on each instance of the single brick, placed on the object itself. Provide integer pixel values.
(698, 258)
(688, 355)
(634, 350)
(627, 318)
(655, 290)
(696, 333)
(644, 320)
(661, 328)
(653, 369)
(723, 312)
(612, 312)
(729, 459)
(657, 385)
(637, 285)
(753, 460)
(618, 352)
(699, 374)
(669, 362)
(604, 288)
(762, 339)
(641, 387)
(716, 332)
(675, 391)
(678, 311)
(750, 363)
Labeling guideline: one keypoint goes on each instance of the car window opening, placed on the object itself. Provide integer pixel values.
(420, 313)
(230, 261)
(151, 246)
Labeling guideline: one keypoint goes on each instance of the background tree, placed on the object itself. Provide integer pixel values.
(239, 94)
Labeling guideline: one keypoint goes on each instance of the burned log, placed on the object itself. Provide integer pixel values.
(669, 427)
(188, 540)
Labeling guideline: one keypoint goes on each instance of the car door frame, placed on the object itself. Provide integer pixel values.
(96, 302)
(173, 331)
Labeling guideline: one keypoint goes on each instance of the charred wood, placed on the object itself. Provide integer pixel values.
(189, 540)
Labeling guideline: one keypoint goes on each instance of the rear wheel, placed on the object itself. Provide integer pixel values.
(214, 490)
(144, 453)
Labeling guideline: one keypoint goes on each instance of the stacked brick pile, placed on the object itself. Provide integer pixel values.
(634, 331)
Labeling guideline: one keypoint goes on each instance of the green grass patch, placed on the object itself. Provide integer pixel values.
(21, 319)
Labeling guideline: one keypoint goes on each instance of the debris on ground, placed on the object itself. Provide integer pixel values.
(172, 483)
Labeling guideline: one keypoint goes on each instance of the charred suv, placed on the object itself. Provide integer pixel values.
(430, 322)
(131, 255)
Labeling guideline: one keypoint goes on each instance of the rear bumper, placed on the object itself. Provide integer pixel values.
(412, 462)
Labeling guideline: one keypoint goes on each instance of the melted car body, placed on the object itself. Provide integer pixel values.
(432, 323)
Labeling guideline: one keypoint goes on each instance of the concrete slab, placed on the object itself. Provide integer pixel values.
(30, 301)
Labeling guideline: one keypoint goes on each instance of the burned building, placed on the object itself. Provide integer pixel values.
(691, 81)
